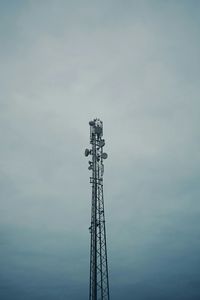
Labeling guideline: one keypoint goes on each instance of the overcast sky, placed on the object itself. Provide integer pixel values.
(135, 65)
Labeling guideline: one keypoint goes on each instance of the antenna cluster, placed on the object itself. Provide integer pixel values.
(97, 142)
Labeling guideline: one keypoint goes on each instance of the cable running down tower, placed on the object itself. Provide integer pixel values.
(99, 284)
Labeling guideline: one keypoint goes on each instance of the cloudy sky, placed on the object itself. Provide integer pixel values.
(135, 65)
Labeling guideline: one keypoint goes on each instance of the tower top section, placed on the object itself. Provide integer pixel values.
(96, 128)
(97, 143)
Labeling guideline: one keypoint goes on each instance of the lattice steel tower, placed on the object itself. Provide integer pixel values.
(99, 284)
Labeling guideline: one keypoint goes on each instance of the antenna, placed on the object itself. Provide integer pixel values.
(99, 283)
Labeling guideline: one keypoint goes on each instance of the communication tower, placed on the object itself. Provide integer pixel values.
(99, 284)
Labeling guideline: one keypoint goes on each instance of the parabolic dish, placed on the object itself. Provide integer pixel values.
(104, 155)
(87, 152)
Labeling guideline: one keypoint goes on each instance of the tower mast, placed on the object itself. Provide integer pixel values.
(99, 284)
